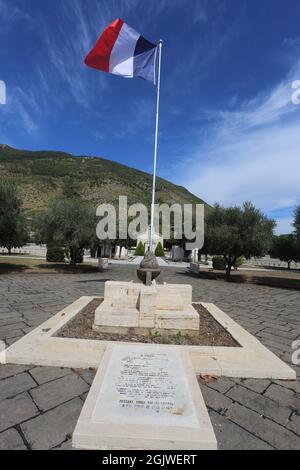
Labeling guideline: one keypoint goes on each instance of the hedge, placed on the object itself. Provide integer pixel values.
(55, 254)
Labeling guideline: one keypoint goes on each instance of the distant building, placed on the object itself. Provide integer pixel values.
(105, 249)
(145, 239)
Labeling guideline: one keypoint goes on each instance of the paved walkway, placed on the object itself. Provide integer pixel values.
(39, 406)
(138, 259)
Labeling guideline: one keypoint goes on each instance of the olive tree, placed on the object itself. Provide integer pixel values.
(237, 231)
(285, 248)
(69, 222)
(13, 226)
(296, 222)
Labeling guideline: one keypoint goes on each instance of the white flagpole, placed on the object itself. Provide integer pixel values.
(155, 147)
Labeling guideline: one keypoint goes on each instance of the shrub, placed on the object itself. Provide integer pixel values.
(140, 249)
(159, 250)
(219, 263)
(79, 256)
(55, 254)
(239, 262)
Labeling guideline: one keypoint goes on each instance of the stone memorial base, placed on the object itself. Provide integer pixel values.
(166, 309)
(103, 263)
(195, 268)
(144, 397)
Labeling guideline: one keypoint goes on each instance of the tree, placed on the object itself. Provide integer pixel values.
(285, 248)
(159, 250)
(296, 222)
(140, 249)
(69, 222)
(13, 227)
(234, 232)
(69, 189)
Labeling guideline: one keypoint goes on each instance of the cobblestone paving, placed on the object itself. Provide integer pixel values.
(39, 406)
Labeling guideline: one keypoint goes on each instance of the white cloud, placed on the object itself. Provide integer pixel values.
(10, 15)
(22, 110)
(252, 153)
(263, 166)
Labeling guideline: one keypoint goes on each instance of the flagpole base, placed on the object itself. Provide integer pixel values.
(149, 269)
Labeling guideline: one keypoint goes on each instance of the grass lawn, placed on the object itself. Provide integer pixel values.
(284, 278)
(22, 264)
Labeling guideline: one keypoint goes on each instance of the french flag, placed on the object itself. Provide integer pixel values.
(122, 51)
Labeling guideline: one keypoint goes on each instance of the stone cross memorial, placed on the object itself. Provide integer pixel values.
(144, 397)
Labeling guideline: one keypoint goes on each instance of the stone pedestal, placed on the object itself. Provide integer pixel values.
(117, 252)
(195, 255)
(177, 253)
(195, 268)
(144, 397)
(103, 263)
(166, 309)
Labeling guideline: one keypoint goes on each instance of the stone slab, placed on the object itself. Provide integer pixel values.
(52, 394)
(11, 440)
(116, 289)
(144, 397)
(12, 386)
(10, 371)
(53, 427)
(15, 410)
(42, 375)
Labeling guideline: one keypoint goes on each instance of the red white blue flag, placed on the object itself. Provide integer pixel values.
(122, 51)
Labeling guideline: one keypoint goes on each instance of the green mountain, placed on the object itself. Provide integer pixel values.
(39, 176)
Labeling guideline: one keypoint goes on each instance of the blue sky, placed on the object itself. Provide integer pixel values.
(229, 131)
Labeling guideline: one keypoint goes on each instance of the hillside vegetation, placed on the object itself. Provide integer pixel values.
(39, 177)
